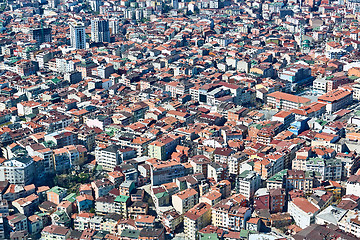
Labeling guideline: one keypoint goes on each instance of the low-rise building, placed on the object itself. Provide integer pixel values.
(330, 215)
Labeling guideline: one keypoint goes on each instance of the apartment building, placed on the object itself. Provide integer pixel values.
(350, 223)
(353, 185)
(166, 171)
(171, 220)
(47, 162)
(184, 200)
(56, 194)
(313, 110)
(108, 158)
(247, 183)
(336, 100)
(286, 101)
(195, 219)
(329, 169)
(217, 171)
(55, 232)
(77, 35)
(234, 162)
(178, 89)
(273, 199)
(214, 94)
(212, 197)
(27, 205)
(17, 222)
(298, 179)
(102, 187)
(356, 93)
(145, 221)
(297, 74)
(68, 156)
(302, 211)
(329, 83)
(229, 214)
(2, 228)
(200, 164)
(285, 117)
(82, 220)
(109, 204)
(62, 138)
(264, 168)
(278, 180)
(65, 65)
(163, 148)
(18, 170)
(27, 108)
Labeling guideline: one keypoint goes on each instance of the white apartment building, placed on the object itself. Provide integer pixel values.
(350, 223)
(302, 211)
(353, 185)
(234, 162)
(247, 183)
(356, 91)
(108, 158)
(65, 65)
(320, 85)
(18, 170)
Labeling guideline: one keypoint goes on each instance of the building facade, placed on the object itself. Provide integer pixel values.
(77, 36)
(100, 31)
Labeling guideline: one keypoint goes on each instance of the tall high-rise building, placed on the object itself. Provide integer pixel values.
(77, 35)
(95, 5)
(53, 3)
(175, 4)
(114, 26)
(41, 35)
(100, 30)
